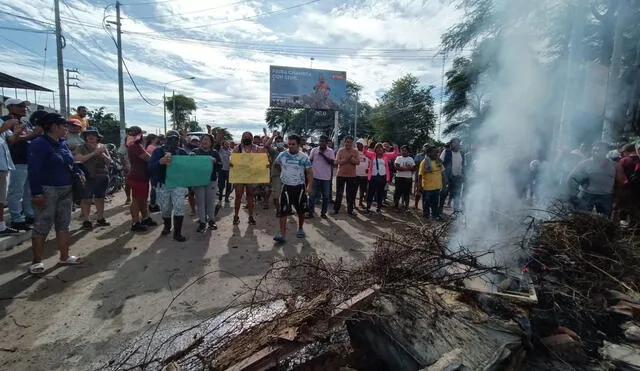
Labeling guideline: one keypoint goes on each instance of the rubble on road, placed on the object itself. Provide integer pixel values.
(410, 307)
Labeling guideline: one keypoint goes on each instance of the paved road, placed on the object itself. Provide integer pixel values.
(74, 315)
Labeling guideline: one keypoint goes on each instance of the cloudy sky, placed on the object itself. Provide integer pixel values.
(227, 45)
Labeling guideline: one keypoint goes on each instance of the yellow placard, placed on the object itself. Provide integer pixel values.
(249, 168)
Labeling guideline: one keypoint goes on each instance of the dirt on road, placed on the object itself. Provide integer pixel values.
(77, 318)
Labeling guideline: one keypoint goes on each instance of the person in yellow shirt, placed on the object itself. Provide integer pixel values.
(81, 115)
(431, 176)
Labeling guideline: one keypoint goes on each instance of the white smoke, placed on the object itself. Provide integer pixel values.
(516, 130)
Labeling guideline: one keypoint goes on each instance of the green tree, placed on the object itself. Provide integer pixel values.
(305, 122)
(404, 114)
(193, 126)
(347, 113)
(107, 125)
(183, 108)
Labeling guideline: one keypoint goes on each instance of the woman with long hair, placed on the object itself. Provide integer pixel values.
(246, 146)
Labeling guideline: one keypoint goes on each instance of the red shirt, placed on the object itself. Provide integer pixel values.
(139, 170)
(629, 164)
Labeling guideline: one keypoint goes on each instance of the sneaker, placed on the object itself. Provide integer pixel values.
(300, 234)
(202, 227)
(21, 226)
(279, 239)
(252, 221)
(87, 226)
(179, 238)
(378, 211)
(323, 216)
(102, 223)
(212, 225)
(149, 222)
(138, 227)
(154, 208)
(9, 232)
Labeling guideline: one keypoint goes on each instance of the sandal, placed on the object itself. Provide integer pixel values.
(37, 268)
(72, 260)
(252, 221)
(236, 220)
(102, 223)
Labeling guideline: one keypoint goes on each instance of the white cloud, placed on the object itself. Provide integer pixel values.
(371, 40)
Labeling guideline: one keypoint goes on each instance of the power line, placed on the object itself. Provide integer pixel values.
(88, 33)
(89, 60)
(235, 20)
(191, 12)
(26, 18)
(147, 3)
(21, 46)
(26, 30)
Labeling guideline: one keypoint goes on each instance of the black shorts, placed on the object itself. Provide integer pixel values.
(293, 197)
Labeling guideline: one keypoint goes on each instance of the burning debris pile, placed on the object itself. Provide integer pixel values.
(586, 273)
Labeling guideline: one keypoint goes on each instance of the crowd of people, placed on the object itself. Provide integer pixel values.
(49, 163)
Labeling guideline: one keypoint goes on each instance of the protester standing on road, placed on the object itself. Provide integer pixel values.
(6, 167)
(138, 180)
(95, 158)
(453, 161)
(206, 195)
(405, 166)
(275, 184)
(432, 179)
(593, 181)
(152, 142)
(171, 200)
(347, 158)
(224, 188)
(379, 174)
(418, 188)
(246, 146)
(18, 198)
(50, 165)
(322, 159)
(295, 172)
(362, 170)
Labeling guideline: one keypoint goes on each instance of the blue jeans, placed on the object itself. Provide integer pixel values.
(323, 186)
(431, 203)
(19, 195)
(602, 203)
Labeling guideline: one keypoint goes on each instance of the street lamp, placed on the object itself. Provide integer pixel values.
(164, 100)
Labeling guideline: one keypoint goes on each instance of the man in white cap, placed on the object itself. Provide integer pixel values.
(18, 198)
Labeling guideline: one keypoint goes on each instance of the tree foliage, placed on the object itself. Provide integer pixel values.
(183, 108)
(215, 130)
(404, 114)
(107, 125)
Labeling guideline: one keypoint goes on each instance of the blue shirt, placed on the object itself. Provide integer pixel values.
(293, 167)
(49, 164)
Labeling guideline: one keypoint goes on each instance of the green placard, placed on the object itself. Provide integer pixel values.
(189, 171)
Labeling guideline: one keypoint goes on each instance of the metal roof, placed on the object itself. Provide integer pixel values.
(7, 81)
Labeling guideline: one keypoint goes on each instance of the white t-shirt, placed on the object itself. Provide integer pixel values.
(404, 161)
(378, 167)
(361, 169)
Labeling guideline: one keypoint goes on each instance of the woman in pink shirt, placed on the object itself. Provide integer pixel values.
(379, 173)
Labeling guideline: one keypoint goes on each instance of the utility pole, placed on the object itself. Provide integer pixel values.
(69, 78)
(355, 124)
(123, 125)
(59, 45)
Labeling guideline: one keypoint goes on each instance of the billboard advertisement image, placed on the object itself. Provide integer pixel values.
(293, 87)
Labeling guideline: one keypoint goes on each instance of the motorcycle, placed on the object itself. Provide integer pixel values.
(116, 170)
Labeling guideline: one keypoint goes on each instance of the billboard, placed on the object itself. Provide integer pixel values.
(293, 87)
